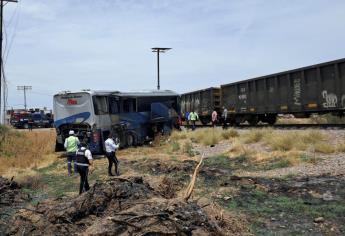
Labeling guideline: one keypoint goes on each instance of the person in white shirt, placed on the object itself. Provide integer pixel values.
(83, 162)
(225, 117)
(110, 149)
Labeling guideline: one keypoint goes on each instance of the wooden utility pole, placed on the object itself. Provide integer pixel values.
(1, 56)
(24, 88)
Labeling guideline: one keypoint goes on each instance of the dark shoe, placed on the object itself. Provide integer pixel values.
(110, 174)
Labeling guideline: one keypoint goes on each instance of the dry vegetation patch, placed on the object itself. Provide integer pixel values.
(25, 150)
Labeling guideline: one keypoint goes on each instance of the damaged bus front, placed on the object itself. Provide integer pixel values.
(75, 111)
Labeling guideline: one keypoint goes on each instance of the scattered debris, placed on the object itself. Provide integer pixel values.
(10, 198)
(319, 220)
(121, 206)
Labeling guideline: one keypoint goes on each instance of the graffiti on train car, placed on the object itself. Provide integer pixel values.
(330, 98)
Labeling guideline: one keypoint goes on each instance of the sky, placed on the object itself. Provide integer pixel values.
(60, 45)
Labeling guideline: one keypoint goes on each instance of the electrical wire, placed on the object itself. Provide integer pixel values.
(6, 51)
(16, 22)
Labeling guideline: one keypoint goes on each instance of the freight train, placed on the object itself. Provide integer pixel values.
(316, 89)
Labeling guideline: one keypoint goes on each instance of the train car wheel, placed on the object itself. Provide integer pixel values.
(271, 120)
(204, 121)
(253, 120)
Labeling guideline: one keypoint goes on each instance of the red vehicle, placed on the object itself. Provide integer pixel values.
(20, 119)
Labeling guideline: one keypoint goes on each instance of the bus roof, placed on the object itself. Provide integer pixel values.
(151, 93)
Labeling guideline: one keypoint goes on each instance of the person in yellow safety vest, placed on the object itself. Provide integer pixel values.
(71, 146)
(193, 117)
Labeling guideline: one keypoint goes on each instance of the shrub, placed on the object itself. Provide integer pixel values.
(188, 149)
(176, 135)
(324, 148)
(257, 135)
(312, 137)
(341, 147)
(230, 133)
(175, 146)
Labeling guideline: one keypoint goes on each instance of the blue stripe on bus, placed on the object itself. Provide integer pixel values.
(73, 119)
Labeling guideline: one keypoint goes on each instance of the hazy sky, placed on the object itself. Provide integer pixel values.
(57, 45)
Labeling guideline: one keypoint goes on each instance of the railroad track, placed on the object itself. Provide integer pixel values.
(283, 126)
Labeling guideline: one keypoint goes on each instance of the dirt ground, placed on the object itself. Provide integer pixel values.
(232, 196)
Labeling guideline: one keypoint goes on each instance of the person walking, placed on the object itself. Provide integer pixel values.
(110, 149)
(71, 146)
(84, 161)
(225, 117)
(214, 118)
(187, 118)
(30, 123)
(193, 117)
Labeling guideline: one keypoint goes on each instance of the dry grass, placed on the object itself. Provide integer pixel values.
(317, 119)
(177, 135)
(340, 147)
(230, 133)
(22, 150)
(290, 140)
(205, 136)
(240, 149)
(256, 135)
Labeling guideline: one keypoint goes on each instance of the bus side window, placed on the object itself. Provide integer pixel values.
(114, 106)
(128, 105)
(101, 105)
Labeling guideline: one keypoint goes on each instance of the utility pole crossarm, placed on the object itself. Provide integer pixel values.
(24, 88)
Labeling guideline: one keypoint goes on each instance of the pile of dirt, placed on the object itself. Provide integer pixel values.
(124, 207)
(9, 192)
(10, 198)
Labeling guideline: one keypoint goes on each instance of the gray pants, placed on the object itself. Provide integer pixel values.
(70, 158)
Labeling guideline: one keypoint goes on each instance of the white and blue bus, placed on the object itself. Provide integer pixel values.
(133, 117)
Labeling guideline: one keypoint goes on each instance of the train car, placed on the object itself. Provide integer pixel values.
(204, 102)
(315, 89)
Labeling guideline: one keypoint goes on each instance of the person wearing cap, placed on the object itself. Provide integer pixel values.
(71, 146)
(83, 161)
(110, 150)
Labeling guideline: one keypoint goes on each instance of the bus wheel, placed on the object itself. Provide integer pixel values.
(58, 147)
(130, 140)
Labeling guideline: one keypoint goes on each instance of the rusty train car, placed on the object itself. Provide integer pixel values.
(315, 89)
(204, 102)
